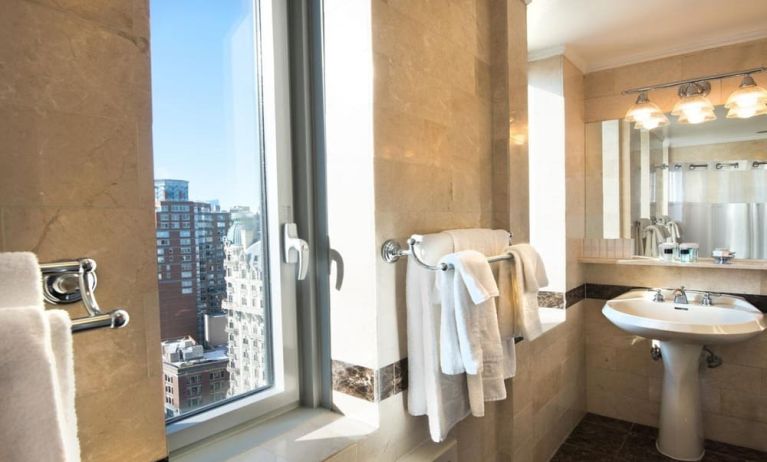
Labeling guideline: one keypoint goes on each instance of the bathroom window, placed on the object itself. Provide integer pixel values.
(221, 135)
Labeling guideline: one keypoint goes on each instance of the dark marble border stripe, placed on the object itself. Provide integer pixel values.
(365, 383)
(551, 299)
(575, 295)
(605, 291)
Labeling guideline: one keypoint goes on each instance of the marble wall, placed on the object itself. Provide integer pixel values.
(625, 383)
(76, 181)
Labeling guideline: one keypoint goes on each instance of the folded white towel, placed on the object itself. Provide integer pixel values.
(20, 280)
(442, 398)
(490, 242)
(465, 291)
(470, 341)
(523, 277)
(36, 370)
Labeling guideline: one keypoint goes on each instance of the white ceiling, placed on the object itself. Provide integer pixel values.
(601, 34)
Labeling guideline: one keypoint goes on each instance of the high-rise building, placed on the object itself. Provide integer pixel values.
(244, 304)
(193, 377)
(190, 257)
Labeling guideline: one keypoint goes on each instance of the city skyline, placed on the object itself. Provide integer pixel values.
(213, 319)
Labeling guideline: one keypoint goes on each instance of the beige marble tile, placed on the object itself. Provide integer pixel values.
(117, 15)
(735, 431)
(54, 60)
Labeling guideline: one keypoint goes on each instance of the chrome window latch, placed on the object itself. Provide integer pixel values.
(296, 249)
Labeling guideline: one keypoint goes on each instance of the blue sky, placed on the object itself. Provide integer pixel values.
(203, 98)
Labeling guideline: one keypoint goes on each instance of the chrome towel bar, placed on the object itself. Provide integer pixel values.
(72, 281)
(391, 251)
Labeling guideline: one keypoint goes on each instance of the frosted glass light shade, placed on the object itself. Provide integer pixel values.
(747, 101)
(694, 109)
(645, 114)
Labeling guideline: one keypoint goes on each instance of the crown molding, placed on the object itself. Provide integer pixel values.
(635, 58)
(701, 45)
(572, 56)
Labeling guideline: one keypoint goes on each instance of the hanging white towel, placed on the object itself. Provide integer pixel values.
(653, 237)
(36, 370)
(442, 398)
(469, 319)
(20, 283)
(525, 275)
(490, 242)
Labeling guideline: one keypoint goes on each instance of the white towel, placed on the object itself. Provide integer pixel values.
(469, 318)
(20, 280)
(443, 398)
(525, 276)
(490, 242)
(674, 233)
(653, 237)
(470, 340)
(36, 370)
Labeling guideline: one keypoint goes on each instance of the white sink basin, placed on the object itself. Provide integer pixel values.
(731, 319)
(682, 330)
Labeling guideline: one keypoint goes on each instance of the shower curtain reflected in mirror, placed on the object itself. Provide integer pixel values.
(721, 207)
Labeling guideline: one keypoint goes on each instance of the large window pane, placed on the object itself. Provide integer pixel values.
(209, 200)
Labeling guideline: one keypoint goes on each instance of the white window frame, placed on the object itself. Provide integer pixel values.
(284, 393)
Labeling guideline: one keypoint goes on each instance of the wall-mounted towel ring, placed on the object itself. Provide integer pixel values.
(73, 281)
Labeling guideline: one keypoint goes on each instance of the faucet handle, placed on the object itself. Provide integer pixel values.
(658, 297)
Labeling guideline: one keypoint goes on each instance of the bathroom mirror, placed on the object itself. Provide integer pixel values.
(708, 181)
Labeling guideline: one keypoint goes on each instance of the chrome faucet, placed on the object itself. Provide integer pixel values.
(680, 296)
(658, 297)
(708, 298)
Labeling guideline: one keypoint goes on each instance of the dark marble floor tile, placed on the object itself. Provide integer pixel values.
(644, 430)
(598, 437)
(572, 453)
(607, 421)
(641, 448)
(716, 457)
(743, 454)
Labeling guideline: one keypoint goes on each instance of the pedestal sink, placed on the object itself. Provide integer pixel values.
(683, 330)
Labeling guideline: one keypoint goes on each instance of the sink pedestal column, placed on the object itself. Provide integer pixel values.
(681, 418)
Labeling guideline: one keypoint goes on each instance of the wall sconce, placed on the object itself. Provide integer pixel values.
(694, 107)
(645, 114)
(748, 100)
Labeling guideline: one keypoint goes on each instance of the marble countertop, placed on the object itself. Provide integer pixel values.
(739, 264)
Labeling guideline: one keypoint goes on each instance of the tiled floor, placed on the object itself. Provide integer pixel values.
(601, 439)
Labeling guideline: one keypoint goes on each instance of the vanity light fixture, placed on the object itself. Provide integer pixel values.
(694, 107)
(748, 100)
(646, 114)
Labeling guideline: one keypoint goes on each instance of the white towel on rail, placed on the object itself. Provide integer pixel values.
(490, 242)
(36, 369)
(442, 398)
(522, 278)
(470, 341)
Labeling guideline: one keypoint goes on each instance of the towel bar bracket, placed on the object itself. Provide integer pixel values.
(391, 251)
(73, 281)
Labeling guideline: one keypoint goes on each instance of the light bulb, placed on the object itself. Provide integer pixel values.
(645, 114)
(693, 107)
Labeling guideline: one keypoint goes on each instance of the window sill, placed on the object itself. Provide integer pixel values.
(301, 434)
